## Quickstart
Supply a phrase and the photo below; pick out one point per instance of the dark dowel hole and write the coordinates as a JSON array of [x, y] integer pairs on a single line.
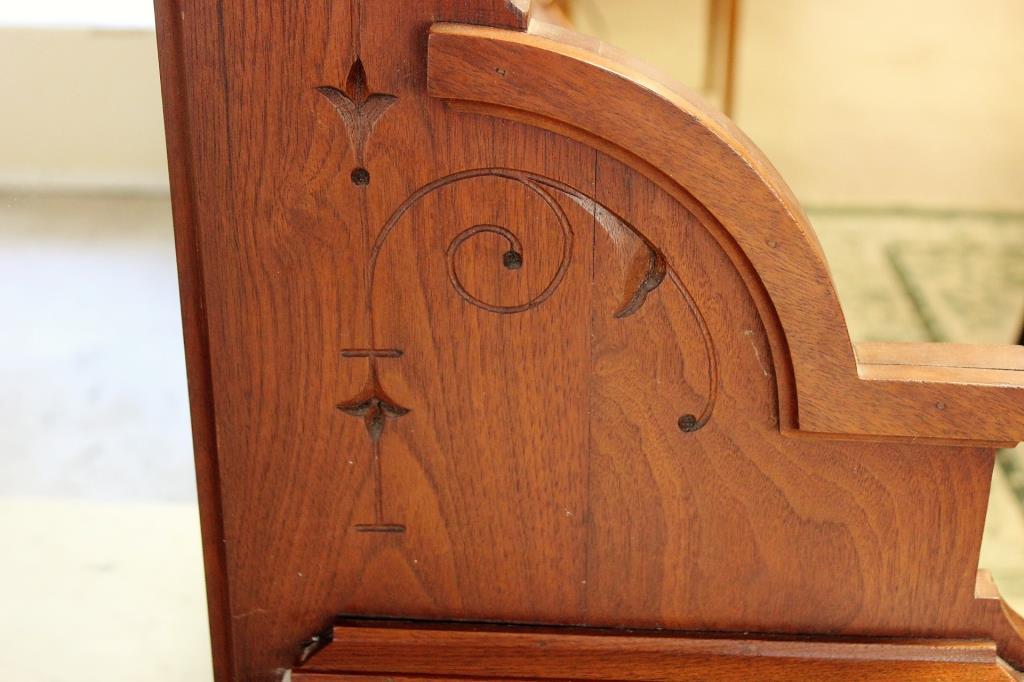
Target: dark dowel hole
[[688, 423], [361, 177], [513, 260]]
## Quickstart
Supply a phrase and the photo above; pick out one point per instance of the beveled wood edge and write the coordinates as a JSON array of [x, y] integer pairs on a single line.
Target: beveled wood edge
[[920, 373], [981, 365], [397, 648], [997, 617], [951, 355], [524, 8], [795, 672], [630, 113], [174, 89], [512, 14]]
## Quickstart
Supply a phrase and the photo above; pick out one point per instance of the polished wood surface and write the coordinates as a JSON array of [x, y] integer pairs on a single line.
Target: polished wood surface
[[394, 650], [484, 322]]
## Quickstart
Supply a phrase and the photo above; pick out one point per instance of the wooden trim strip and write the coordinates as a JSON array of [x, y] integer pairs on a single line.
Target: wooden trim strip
[[950, 355], [562, 654]]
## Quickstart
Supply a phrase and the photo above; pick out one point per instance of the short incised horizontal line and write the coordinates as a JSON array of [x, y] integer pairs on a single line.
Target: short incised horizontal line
[[371, 353], [380, 528]]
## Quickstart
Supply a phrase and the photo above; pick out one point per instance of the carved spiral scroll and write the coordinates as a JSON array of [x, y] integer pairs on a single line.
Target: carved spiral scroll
[[543, 187], [513, 257], [374, 406], [511, 260]]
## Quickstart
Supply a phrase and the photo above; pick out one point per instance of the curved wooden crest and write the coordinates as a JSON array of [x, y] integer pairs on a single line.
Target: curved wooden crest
[[917, 391], [495, 326]]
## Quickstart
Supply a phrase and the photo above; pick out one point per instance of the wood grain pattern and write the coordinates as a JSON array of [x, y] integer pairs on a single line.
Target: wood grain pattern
[[394, 650], [531, 339]]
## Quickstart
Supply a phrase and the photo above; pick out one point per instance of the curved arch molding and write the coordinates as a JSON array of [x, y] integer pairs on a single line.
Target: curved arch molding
[[826, 386]]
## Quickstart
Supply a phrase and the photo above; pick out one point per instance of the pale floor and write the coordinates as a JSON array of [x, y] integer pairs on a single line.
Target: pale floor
[[96, 488]]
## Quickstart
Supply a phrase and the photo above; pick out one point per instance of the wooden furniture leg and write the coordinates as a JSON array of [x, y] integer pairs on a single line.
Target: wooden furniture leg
[[720, 59]]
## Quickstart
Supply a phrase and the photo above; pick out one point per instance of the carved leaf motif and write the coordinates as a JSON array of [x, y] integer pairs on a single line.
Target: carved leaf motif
[[656, 270], [356, 82], [342, 102], [358, 108], [373, 405], [374, 409]]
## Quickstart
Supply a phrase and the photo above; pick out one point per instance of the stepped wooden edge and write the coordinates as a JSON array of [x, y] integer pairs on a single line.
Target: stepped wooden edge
[[404, 650], [400, 651], [920, 392]]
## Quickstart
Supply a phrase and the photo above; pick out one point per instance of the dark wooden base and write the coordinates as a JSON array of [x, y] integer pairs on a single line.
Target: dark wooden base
[[400, 650]]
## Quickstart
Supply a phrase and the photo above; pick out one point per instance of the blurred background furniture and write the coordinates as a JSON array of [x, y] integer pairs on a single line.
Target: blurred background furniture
[[720, 37]]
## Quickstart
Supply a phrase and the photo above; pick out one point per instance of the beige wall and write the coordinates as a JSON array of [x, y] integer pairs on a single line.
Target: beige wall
[[871, 103], [81, 109], [880, 102], [666, 33]]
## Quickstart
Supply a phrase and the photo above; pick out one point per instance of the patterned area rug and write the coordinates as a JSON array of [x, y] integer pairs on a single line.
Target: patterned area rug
[[966, 290], [906, 275]]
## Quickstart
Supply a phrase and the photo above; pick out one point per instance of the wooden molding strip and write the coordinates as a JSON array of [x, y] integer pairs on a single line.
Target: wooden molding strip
[[952, 355], [395, 650]]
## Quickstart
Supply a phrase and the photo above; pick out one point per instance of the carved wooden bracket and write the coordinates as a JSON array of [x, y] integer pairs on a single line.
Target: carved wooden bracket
[[486, 323], [909, 391]]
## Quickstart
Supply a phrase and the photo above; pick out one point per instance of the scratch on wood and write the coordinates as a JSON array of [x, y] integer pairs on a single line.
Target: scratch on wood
[[749, 333]]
